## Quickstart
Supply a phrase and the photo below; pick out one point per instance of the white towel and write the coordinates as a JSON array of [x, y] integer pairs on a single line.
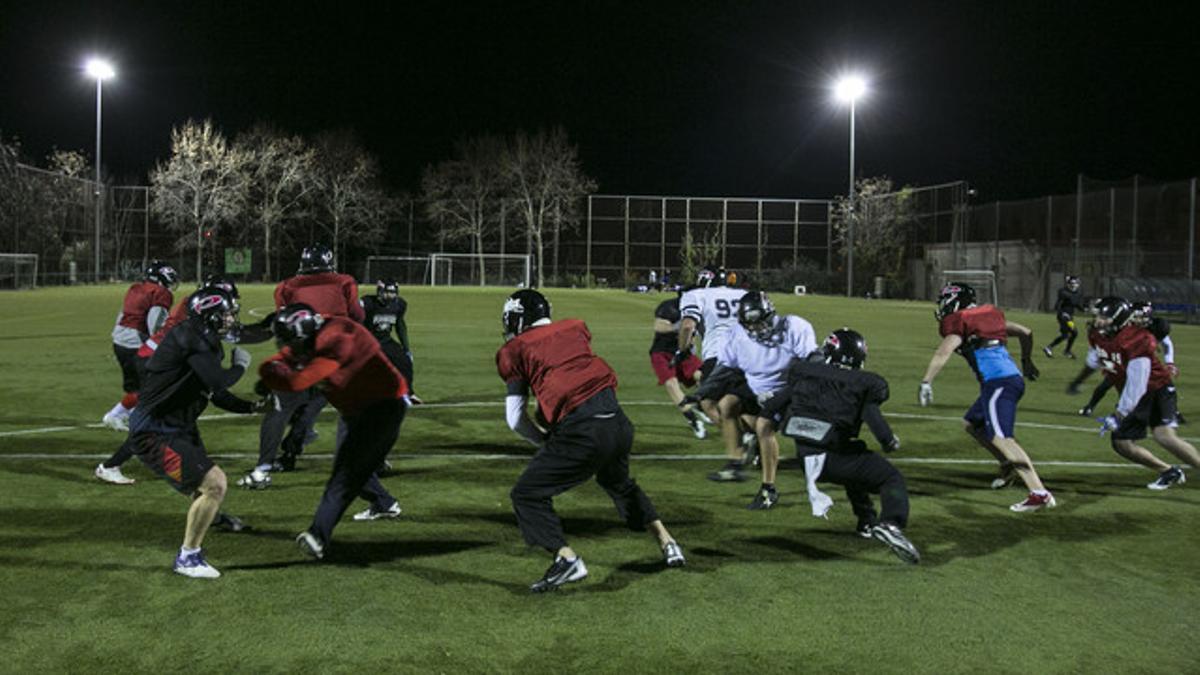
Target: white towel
[[821, 502]]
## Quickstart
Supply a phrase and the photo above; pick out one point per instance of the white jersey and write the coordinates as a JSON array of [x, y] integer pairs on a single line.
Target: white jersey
[[765, 361], [715, 309]]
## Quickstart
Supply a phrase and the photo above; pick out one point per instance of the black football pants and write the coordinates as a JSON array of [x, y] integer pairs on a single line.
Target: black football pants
[[593, 440], [863, 472], [305, 406]]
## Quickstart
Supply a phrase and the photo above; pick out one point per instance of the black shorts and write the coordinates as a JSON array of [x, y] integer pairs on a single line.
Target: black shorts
[[775, 408], [707, 367], [1157, 408], [131, 368], [178, 457], [1066, 324]]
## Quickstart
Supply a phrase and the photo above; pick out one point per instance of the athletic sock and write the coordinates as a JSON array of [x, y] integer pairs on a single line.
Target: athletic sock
[[129, 402], [689, 415], [1041, 493], [265, 468], [185, 551]]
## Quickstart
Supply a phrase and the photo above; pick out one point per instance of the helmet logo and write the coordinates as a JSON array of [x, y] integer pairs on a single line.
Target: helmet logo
[[513, 305], [207, 302]]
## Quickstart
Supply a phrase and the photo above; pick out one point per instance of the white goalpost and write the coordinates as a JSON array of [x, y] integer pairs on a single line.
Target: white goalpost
[[18, 270], [405, 269], [983, 281], [476, 269]]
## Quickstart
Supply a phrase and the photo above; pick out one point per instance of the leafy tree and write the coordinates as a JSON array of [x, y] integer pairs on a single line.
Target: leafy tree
[[350, 201], [282, 171], [460, 194], [695, 254], [882, 218]]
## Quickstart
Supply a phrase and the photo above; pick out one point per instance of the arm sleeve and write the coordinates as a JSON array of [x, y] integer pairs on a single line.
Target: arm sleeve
[[354, 308], [256, 333], [1168, 349], [518, 420], [873, 416], [155, 317], [1137, 376], [208, 368], [402, 326], [280, 375], [227, 401], [1093, 358]]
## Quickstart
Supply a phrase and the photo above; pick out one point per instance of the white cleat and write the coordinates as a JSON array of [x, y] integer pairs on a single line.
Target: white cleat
[[113, 475], [255, 480], [116, 422], [371, 514], [195, 566]]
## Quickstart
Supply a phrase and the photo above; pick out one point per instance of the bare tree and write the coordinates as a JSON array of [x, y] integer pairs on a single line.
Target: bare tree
[[282, 172], [460, 194], [204, 184], [882, 218], [547, 182], [349, 197]]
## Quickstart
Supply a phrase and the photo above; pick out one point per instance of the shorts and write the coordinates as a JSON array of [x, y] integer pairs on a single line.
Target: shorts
[[708, 366], [1156, 408], [1066, 324], [178, 457], [685, 372], [131, 368], [996, 408]]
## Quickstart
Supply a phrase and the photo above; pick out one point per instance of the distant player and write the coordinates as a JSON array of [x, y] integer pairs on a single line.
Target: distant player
[[384, 315], [588, 433], [674, 376], [1127, 353], [1070, 300], [144, 309], [823, 408], [709, 310], [342, 357], [1160, 328], [184, 374], [979, 333]]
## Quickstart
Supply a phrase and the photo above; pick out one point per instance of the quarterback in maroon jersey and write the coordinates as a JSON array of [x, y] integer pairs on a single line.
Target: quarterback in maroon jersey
[[345, 360], [587, 432], [1127, 353]]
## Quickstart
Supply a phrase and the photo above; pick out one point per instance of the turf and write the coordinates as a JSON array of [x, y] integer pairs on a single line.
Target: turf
[[1107, 582]]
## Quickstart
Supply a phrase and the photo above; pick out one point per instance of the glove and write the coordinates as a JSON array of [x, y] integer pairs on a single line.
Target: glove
[[1108, 424], [893, 445], [925, 394], [1173, 370], [680, 355], [1031, 371], [241, 357]]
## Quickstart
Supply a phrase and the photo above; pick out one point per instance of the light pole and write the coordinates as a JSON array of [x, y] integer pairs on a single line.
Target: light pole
[[101, 70], [848, 90]]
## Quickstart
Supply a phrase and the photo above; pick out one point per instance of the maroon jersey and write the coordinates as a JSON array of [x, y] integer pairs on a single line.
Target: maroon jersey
[[346, 362], [330, 293], [985, 322], [131, 327], [179, 313], [557, 362], [1131, 342]]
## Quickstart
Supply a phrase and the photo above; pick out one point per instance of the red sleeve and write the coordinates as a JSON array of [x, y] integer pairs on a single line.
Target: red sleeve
[[280, 301], [162, 298], [507, 363], [277, 373], [353, 309], [951, 325], [1139, 343]]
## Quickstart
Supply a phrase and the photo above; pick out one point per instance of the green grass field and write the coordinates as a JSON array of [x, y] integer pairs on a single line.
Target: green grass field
[[1107, 582]]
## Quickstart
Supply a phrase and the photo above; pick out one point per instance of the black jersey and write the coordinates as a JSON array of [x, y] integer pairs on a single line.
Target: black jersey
[[667, 310], [828, 404], [382, 318], [1068, 302], [184, 373]]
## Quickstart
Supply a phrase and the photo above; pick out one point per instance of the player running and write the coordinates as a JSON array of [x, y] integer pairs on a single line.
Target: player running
[[384, 314], [142, 312], [342, 357], [823, 408], [1070, 300], [587, 432], [1126, 352], [979, 333], [674, 376]]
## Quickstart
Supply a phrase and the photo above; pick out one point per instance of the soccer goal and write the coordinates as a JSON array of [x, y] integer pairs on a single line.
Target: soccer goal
[[18, 270], [486, 269], [406, 270], [983, 281]]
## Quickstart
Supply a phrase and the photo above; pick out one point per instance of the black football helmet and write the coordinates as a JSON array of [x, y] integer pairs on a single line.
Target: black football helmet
[[1112, 313], [955, 296], [297, 325], [522, 310], [215, 308], [316, 258], [845, 347], [708, 277], [224, 283], [1142, 309], [387, 289], [756, 313], [162, 274], [1072, 283]]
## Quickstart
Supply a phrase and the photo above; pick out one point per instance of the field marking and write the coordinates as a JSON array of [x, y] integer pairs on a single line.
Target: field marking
[[498, 404]]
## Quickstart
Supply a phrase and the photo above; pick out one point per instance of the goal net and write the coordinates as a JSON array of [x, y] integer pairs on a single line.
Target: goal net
[[983, 281], [487, 269], [18, 270], [406, 270]]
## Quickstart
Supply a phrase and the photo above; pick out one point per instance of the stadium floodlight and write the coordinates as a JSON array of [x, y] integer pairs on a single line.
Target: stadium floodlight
[[100, 70], [849, 89]]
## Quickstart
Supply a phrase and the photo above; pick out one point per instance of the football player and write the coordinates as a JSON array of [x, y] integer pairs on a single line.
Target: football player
[[672, 375], [1126, 351], [709, 310], [343, 358], [587, 432], [979, 334], [184, 374], [1070, 300], [142, 312], [751, 366], [822, 408], [384, 314], [1160, 328], [331, 294]]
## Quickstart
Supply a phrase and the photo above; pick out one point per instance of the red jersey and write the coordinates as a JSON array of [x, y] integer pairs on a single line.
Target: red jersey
[[179, 313], [985, 322], [346, 362], [330, 293], [1131, 342], [557, 362], [131, 327]]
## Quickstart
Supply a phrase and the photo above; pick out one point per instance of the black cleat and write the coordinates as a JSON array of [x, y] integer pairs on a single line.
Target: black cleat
[[1085, 412], [562, 571], [1172, 476], [229, 523], [895, 539], [731, 473], [767, 497], [864, 527]]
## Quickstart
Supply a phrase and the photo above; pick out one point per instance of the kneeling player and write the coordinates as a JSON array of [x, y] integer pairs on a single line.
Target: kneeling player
[[589, 435], [822, 409]]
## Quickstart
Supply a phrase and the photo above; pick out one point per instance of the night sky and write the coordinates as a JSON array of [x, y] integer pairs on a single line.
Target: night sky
[[680, 98]]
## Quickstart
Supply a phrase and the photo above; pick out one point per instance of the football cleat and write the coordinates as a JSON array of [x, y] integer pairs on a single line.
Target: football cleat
[[255, 480], [392, 511], [673, 555], [309, 543], [1048, 352], [113, 475], [229, 523], [115, 421], [1035, 502], [895, 539], [1069, 355], [698, 429], [864, 527], [750, 445], [1172, 476], [1008, 474], [1073, 389], [195, 566], [767, 497], [1085, 411], [731, 473], [562, 571]]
